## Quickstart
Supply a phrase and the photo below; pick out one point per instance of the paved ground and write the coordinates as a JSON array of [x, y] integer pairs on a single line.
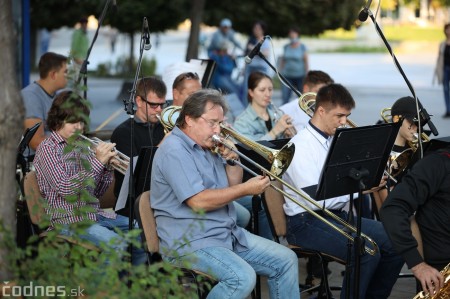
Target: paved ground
[[372, 79]]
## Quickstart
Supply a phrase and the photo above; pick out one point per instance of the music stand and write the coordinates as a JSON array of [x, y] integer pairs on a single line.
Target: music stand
[[356, 161], [26, 138]]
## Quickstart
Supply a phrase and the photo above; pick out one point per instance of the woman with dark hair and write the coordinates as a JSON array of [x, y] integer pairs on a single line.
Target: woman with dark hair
[[260, 121]]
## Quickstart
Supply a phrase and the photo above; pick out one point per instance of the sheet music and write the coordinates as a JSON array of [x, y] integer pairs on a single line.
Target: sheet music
[[172, 71], [123, 194]]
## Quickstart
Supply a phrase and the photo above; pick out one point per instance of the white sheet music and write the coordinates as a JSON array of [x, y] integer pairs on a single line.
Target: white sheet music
[[172, 71], [123, 194]]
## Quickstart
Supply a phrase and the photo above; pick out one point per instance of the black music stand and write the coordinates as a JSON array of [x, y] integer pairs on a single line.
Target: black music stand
[[356, 162]]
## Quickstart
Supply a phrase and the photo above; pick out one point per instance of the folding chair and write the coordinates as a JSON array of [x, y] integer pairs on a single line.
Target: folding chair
[[273, 203], [146, 220], [37, 213]]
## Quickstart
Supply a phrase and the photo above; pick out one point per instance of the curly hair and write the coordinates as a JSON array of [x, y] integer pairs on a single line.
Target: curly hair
[[67, 107]]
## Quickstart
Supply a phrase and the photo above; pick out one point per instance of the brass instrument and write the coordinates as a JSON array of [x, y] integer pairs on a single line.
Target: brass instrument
[[260, 149], [122, 160], [277, 114], [443, 293], [307, 102], [168, 117], [399, 161]]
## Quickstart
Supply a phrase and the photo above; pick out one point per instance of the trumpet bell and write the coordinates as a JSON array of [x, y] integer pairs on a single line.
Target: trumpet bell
[[399, 162]]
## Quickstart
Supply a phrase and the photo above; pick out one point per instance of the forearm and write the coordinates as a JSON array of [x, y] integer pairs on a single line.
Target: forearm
[[213, 199], [234, 174]]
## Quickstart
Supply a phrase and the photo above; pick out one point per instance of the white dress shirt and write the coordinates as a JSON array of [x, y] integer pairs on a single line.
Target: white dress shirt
[[299, 118], [311, 149]]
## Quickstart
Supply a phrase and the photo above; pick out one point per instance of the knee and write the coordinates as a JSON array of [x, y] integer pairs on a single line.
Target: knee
[[241, 284]]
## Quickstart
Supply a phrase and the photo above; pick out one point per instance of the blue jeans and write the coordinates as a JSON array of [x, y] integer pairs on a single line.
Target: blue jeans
[[286, 92], [236, 271], [103, 232], [242, 215], [446, 84], [378, 273], [263, 224]]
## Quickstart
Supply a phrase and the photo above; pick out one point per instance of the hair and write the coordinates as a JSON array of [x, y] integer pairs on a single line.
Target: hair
[[332, 95], [447, 25], [253, 81], [294, 28], [262, 24], [50, 62], [151, 84], [67, 107], [178, 82], [314, 78], [195, 104]]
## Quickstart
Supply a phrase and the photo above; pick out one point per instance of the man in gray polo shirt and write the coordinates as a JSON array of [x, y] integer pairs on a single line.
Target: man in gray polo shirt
[[192, 189]]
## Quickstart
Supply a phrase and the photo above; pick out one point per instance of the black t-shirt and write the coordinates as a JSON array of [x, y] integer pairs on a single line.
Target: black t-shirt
[[145, 134]]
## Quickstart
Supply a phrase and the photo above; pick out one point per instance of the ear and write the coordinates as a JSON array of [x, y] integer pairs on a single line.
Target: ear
[[395, 118], [138, 101], [189, 120]]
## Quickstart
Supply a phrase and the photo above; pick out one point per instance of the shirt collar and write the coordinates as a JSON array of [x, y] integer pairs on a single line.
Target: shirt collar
[[49, 95], [177, 132], [58, 138], [318, 130]]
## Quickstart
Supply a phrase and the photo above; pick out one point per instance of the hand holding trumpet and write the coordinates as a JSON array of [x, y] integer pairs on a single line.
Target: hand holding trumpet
[[284, 126], [104, 152]]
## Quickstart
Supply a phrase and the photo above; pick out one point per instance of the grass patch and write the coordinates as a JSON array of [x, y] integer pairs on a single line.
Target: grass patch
[[353, 49], [393, 33]]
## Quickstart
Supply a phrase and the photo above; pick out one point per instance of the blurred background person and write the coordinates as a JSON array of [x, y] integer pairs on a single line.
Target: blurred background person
[[259, 30], [224, 33], [260, 121], [183, 86], [79, 46], [225, 65], [293, 63], [442, 70]]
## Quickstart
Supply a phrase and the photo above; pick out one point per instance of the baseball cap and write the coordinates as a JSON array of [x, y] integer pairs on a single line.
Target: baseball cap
[[406, 107], [225, 23]]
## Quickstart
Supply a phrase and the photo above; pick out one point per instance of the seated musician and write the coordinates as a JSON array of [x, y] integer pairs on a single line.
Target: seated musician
[[425, 192], [150, 101], [259, 121], [379, 272], [404, 111], [192, 189], [60, 175], [183, 86], [312, 82]]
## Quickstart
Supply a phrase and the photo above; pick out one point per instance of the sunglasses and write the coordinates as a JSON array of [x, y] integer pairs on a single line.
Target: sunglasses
[[154, 105]]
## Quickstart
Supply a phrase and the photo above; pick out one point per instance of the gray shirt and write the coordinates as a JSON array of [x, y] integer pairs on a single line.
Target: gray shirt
[[37, 104], [182, 169]]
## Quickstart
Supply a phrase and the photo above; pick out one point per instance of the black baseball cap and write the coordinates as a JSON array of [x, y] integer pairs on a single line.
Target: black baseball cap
[[406, 108]]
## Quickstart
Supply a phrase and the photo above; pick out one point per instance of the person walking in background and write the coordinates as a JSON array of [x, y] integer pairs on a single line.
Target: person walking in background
[[293, 63], [223, 35], [259, 30], [79, 47], [442, 70]]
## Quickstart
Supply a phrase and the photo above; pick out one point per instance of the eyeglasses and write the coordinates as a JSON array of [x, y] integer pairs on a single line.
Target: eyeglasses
[[211, 123], [154, 105]]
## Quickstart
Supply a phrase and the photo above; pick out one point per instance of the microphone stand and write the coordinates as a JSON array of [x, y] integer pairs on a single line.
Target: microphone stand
[[423, 114], [298, 93], [83, 70], [129, 108]]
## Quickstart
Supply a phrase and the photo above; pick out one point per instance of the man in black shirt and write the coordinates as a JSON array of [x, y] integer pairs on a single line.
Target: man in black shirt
[[425, 191], [148, 131]]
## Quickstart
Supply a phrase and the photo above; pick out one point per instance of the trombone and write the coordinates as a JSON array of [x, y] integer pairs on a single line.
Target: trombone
[[122, 160], [306, 197]]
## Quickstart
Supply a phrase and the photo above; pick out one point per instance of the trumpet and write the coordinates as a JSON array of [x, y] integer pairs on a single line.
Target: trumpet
[[307, 102], [374, 247], [122, 160], [277, 114]]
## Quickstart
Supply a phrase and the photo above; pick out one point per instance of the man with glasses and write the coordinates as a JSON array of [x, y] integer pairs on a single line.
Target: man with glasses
[[183, 86], [148, 131], [193, 189]]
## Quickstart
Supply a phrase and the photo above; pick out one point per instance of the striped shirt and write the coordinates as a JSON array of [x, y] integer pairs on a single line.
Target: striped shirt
[[63, 182]]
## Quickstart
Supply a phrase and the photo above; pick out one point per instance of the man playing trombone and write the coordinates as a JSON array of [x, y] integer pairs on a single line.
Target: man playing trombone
[[192, 191], [61, 176], [378, 272]]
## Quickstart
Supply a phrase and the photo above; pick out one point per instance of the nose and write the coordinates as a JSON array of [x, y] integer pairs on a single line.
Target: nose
[[79, 125]]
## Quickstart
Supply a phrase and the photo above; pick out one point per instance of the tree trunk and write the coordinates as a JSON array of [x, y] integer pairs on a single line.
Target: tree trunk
[[11, 124], [196, 16]]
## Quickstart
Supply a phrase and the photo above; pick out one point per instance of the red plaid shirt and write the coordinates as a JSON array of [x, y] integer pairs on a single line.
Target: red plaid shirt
[[61, 175]]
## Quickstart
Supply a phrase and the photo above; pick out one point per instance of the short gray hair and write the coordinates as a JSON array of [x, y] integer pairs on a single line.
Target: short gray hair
[[195, 104]]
